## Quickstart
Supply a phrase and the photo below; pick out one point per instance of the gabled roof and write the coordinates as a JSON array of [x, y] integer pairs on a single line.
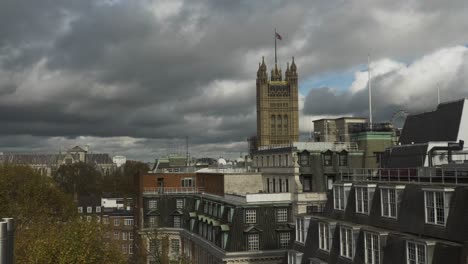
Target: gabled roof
[[252, 229], [440, 125], [77, 149]]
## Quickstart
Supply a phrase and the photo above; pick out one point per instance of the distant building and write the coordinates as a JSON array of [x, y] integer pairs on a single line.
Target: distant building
[[46, 164], [336, 130], [116, 215], [432, 138], [409, 214], [119, 160], [277, 106]]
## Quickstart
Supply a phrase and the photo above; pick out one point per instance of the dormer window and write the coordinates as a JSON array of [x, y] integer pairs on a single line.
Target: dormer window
[[327, 158], [340, 195], [304, 156], [343, 158], [364, 195], [437, 204], [390, 197]]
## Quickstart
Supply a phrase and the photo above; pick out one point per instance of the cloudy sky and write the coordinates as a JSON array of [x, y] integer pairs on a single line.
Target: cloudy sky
[[135, 77]]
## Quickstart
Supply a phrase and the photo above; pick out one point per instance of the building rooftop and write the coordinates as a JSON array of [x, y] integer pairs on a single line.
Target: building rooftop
[[443, 124]]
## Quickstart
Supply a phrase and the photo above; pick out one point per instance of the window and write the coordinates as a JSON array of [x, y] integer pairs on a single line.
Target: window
[[339, 197], [437, 206], [346, 242], [177, 221], [130, 249], [124, 248], [253, 242], [153, 221], [300, 237], [187, 182], [88, 218], [116, 235], [128, 222], [116, 222], [230, 214], [343, 159], [197, 204], [327, 159], [175, 246], [80, 210], [371, 248], [98, 209], [89, 209], [280, 164], [284, 238], [362, 200], [153, 204], [98, 219], [304, 159], [250, 216], [105, 220], [124, 235], [389, 202], [415, 253], [281, 215], [225, 237], [130, 235], [324, 236]]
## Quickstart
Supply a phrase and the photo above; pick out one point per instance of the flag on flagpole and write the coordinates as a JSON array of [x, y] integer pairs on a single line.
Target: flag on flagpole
[[278, 36]]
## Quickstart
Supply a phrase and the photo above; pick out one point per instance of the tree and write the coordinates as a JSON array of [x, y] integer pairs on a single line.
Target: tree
[[156, 248], [80, 178], [48, 229], [74, 241]]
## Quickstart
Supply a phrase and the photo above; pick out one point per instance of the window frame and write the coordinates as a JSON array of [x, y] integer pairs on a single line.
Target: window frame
[[178, 223], [284, 240], [386, 204], [250, 216], [324, 236], [152, 204], [364, 195], [253, 242], [417, 247], [346, 245], [180, 203], [282, 215], [370, 245], [446, 195]]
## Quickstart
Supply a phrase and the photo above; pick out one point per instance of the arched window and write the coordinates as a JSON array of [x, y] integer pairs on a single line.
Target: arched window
[[280, 124], [273, 125], [285, 125]]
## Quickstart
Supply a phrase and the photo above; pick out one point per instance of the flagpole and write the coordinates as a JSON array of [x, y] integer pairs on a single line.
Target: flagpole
[[275, 46]]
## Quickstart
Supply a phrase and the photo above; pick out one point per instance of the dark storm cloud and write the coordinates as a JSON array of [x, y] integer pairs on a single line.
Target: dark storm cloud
[[158, 70]]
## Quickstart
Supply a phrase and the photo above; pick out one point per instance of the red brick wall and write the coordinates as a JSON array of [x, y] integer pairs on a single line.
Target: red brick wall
[[212, 182]]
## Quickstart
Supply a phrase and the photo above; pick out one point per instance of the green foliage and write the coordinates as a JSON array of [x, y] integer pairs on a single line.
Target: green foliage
[[47, 226], [124, 181], [69, 242], [80, 177]]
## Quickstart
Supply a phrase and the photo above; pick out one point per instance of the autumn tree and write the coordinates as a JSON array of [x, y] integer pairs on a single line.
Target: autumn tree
[[80, 178], [48, 229]]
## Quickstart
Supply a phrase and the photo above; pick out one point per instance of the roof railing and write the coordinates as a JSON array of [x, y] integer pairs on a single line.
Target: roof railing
[[434, 175], [172, 190]]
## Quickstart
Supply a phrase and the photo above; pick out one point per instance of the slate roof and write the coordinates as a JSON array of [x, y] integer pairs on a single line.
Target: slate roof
[[407, 156], [49, 159], [439, 125], [77, 149]]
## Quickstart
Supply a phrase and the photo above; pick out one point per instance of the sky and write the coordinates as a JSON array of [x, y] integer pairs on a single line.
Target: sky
[[136, 77]]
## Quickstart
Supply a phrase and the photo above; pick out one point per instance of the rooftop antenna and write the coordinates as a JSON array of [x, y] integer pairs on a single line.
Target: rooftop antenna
[[370, 91], [438, 94], [187, 162]]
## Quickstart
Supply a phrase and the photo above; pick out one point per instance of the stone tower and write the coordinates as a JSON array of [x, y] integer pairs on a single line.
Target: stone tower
[[277, 106]]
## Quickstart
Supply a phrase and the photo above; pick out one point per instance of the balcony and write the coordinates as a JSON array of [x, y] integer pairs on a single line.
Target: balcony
[[172, 190], [432, 175]]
